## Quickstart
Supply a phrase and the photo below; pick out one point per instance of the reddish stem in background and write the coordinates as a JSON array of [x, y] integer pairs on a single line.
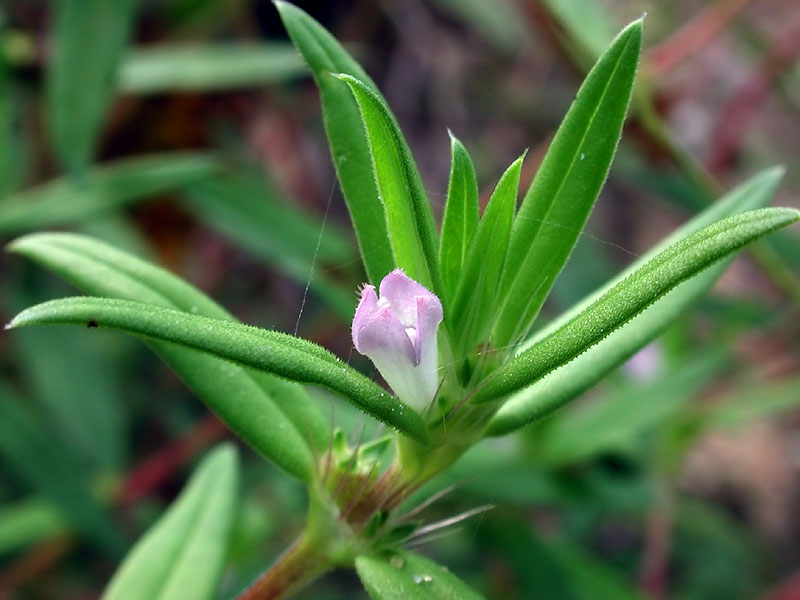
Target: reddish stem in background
[[147, 476], [154, 470], [654, 568], [33, 563], [737, 115], [788, 589], [693, 37]]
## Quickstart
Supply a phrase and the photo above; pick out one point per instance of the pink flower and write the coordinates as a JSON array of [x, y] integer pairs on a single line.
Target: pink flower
[[398, 333]]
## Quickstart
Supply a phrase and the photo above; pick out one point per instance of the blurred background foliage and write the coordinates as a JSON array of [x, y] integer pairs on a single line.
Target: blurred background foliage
[[189, 132]]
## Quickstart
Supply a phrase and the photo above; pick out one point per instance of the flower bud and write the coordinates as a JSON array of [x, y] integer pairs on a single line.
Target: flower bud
[[398, 333]]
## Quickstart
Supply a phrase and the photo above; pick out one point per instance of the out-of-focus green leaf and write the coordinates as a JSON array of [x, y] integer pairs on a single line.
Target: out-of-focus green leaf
[[207, 67], [475, 302], [29, 521], [753, 402], [64, 201], [567, 382], [274, 416], [499, 21], [248, 211], [460, 217], [408, 212], [586, 23], [294, 358], [404, 575], [79, 386], [630, 297], [182, 555], [13, 146], [30, 452], [88, 39], [619, 419], [559, 200], [349, 149], [555, 569]]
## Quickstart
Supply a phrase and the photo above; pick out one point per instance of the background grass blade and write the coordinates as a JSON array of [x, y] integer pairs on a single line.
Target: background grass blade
[[182, 555], [346, 137], [207, 67], [87, 42], [559, 200], [247, 210], [408, 212], [460, 218], [630, 297], [406, 575], [277, 353], [567, 382], [64, 201], [29, 451], [276, 417]]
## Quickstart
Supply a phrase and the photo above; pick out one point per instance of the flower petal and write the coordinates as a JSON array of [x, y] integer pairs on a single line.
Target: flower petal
[[367, 307], [429, 316], [384, 340], [400, 290]]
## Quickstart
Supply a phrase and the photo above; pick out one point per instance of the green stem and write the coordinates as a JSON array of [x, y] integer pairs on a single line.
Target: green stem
[[296, 568]]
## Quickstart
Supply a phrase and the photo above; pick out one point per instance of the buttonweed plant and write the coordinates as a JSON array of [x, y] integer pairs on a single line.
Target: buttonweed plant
[[449, 320]]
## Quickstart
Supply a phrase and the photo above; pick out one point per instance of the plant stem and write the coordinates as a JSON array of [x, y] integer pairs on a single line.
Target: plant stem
[[301, 564]]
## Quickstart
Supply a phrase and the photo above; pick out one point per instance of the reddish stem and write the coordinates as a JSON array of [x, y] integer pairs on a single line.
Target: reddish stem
[[694, 36]]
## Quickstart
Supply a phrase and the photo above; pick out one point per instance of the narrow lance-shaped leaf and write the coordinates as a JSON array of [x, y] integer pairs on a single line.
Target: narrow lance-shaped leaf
[[324, 55], [248, 211], [567, 382], [274, 416], [460, 217], [408, 212], [27, 448], [404, 575], [182, 555], [630, 297], [64, 201], [562, 194], [278, 353], [472, 311], [207, 67], [88, 39]]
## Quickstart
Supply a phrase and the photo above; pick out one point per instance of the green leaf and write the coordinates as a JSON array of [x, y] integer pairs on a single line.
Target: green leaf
[[566, 383], [617, 421], [14, 144], [207, 67], [28, 521], [248, 211], [31, 454], [500, 22], [472, 311], [274, 416], [751, 402], [460, 218], [87, 410], [88, 39], [346, 137], [587, 24], [561, 196], [182, 555], [408, 212], [406, 575], [293, 358], [630, 297], [64, 201]]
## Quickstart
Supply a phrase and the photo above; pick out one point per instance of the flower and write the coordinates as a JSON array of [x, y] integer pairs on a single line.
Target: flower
[[398, 333]]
